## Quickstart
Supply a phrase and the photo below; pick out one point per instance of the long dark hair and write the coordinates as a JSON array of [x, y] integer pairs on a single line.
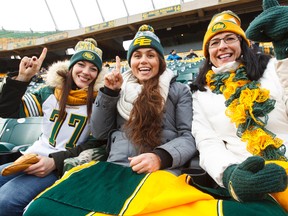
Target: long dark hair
[[144, 127], [255, 64], [67, 87]]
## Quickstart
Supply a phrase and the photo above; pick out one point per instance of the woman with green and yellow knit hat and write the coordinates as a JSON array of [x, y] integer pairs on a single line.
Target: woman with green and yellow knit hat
[[65, 104], [240, 120], [143, 97]]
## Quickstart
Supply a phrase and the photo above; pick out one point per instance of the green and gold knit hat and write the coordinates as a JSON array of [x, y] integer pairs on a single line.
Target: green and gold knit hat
[[145, 38], [87, 50]]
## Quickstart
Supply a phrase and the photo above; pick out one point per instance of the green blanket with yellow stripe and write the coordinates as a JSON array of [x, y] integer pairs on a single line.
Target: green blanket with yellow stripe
[[102, 188]]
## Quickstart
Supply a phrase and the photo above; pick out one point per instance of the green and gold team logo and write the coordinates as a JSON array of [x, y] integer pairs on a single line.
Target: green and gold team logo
[[218, 26], [142, 41], [88, 55]]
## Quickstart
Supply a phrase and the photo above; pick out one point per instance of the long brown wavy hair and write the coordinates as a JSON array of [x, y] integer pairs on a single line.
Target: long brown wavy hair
[[144, 127], [67, 86]]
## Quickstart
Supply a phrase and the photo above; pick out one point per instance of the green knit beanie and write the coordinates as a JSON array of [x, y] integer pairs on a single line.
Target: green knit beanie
[[271, 26], [87, 50], [145, 38], [253, 180]]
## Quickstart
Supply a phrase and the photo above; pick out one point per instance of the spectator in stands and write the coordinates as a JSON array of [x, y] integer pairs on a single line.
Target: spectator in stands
[[191, 54], [173, 56], [66, 106], [107, 65], [240, 120], [255, 46], [149, 94]]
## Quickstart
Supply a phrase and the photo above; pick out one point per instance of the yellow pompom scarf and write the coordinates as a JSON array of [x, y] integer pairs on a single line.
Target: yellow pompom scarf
[[248, 106], [75, 97]]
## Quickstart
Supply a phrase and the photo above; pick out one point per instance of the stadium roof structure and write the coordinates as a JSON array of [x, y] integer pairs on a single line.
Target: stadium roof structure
[[64, 22]]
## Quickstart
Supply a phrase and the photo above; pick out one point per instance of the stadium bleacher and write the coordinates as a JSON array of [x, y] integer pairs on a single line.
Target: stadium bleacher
[[186, 70], [189, 26]]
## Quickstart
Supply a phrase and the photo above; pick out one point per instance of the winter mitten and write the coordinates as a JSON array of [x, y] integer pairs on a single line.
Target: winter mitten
[[271, 26], [22, 163], [281, 197], [252, 180]]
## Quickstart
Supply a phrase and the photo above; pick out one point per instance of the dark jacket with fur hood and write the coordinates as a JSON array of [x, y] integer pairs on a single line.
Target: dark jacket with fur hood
[[11, 103], [13, 90]]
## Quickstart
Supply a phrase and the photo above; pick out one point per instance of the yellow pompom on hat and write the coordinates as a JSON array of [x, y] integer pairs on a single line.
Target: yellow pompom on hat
[[226, 21]]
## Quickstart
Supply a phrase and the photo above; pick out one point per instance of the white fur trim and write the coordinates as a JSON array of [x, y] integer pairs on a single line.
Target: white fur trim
[[54, 80]]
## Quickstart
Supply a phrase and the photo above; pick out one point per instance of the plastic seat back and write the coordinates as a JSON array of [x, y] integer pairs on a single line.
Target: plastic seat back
[[2, 123], [18, 132]]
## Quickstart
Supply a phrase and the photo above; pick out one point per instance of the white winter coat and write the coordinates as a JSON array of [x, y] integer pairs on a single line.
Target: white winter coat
[[215, 135]]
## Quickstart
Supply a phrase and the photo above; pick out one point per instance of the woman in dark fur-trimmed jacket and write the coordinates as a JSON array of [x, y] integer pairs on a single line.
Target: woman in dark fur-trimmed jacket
[[66, 106]]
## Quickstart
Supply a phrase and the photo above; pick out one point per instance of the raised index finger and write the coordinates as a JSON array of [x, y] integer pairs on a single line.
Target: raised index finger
[[118, 64], [43, 55]]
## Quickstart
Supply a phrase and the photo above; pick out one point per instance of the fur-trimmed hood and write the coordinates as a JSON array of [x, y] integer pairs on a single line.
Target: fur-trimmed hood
[[54, 80]]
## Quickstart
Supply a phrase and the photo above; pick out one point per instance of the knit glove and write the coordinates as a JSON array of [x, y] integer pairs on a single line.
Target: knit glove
[[252, 180], [271, 26], [85, 157]]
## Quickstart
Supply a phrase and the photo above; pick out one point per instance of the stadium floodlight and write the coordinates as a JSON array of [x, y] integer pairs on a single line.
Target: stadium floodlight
[[15, 57], [70, 51], [126, 44]]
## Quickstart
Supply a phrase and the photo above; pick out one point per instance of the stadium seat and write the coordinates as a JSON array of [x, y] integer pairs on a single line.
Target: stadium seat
[[184, 78], [187, 75], [175, 72], [2, 122], [193, 71], [16, 135]]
